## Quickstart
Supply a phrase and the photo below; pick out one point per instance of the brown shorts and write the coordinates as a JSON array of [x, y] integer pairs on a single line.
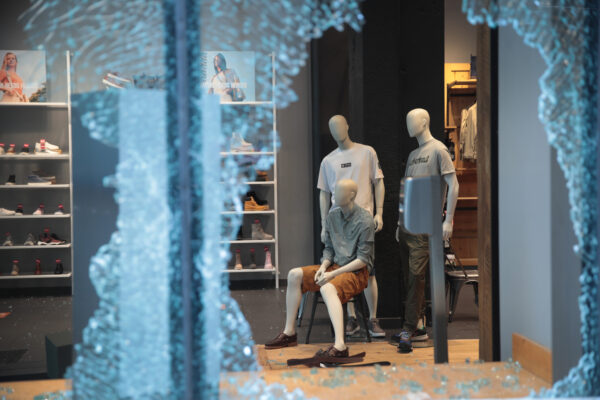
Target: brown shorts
[[348, 284]]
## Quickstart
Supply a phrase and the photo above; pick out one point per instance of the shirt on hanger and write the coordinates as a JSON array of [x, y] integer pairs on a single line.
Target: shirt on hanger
[[468, 134], [359, 163]]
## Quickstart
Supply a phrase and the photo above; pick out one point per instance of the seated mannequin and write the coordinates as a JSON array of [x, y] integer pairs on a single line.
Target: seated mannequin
[[344, 269]]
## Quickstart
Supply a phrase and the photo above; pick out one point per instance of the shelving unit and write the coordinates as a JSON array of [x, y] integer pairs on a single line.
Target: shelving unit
[[269, 188], [28, 123]]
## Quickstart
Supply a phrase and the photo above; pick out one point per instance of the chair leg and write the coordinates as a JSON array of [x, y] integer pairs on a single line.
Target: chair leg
[[301, 310], [312, 316], [364, 310], [455, 288]]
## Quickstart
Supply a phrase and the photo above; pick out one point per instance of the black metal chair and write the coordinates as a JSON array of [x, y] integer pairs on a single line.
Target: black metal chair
[[358, 300], [456, 278]]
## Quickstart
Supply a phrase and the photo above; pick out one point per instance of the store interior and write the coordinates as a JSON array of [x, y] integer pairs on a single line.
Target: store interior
[[373, 78]]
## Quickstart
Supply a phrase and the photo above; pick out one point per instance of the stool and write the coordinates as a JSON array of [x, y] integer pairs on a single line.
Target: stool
[[359, 300]]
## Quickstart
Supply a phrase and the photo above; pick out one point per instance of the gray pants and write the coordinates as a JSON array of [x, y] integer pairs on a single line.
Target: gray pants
[[418, 266]]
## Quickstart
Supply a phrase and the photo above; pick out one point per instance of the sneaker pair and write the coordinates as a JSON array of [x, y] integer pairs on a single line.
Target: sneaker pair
[[41, 210], [45, 148], [29, 241], [50, 239], [375, 330], [238, 259]]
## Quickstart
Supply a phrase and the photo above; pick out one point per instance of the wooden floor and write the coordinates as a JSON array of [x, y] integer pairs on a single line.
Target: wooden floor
[[458, 352], [412, 375]]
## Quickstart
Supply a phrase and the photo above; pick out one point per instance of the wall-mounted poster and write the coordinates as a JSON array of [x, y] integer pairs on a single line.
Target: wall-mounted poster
[[23, 76], [229, 74]]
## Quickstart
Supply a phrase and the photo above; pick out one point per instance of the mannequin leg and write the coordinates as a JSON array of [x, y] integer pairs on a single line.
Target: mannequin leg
[[334, 307], [293, 297], [371, 293]]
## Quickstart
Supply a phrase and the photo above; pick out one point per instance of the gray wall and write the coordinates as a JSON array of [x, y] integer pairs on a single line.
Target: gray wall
[[295, 179], [538, 269], [460, 37]]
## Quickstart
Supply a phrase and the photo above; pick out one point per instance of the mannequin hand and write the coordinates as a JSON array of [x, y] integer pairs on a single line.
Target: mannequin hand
[[398, 234], [447, 229], [323, 234], [378, 223], [324, 278], [320, 273]]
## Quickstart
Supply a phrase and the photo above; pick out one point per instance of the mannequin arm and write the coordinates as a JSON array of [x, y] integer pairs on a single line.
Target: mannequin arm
[[379, 197], [324, 204], [450, 204], [324, 277]]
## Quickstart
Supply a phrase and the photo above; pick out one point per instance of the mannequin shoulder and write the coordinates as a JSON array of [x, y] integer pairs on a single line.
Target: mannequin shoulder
[[330, 155]]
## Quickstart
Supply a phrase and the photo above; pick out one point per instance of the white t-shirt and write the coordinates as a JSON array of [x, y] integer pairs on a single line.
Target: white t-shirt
[[359, 163]]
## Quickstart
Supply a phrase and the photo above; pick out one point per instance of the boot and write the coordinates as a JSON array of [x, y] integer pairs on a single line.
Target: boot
[[238, 144], [59, 268], [238, 260], [268, 263], [38, 267], [262, 176], [250, 204], [258, 232], [252, 259], [15, 268]]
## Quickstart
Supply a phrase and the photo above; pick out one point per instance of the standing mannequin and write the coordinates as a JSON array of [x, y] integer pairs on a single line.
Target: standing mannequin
[[343, 273], [360, 163], [430, 158]]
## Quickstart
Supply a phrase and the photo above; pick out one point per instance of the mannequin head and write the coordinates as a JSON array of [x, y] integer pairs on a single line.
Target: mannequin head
[[417, 122], [345, 192], [339, 128]]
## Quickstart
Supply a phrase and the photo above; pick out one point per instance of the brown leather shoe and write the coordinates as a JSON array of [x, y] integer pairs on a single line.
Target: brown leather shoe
[[282, 340], [332, 352]]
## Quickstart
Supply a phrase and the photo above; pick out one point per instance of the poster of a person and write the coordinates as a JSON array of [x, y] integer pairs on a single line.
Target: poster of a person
[[230, 75], [22, 76]]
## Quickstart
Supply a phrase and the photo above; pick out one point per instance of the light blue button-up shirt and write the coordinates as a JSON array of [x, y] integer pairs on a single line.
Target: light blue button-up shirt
[[349, 237]]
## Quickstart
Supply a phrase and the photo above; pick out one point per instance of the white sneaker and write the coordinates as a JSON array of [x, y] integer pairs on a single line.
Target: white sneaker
[[9, 240], [30, 241], [2, 150], [40, 210], [238, 144], [47, 149], [60, 210], [4, 211]]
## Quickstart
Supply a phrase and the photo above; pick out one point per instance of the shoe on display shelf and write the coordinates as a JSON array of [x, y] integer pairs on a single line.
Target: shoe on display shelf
[[44, 238], [36, 180], [9, 240], [238, 260], [352, 326], [258, 200], [262, 176], [250, 204], [15, 268], [55, 240], [24, 150], [11, 150], [38, 267], [59, 267], [45, 148], [240, 234], [258, 232], [374, 328], [30, 240], [2, 150], [44, 175], [268, 263], [11, 180], [238, 144], [60, 210], [4, 211], [40, 210], [19, 209], [252, 259]]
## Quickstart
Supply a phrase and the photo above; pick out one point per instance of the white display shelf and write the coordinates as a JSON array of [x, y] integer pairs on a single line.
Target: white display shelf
[[36, 247], [249, 241], [31, 276], [257, 183], [35, 104], [247, 153], [33, 157], [29, 187], [48, 216], [247, 103], [247, 270], [247, 212]]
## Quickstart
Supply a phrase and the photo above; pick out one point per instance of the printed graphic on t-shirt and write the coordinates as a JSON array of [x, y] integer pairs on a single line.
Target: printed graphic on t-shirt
[[346, 165]]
